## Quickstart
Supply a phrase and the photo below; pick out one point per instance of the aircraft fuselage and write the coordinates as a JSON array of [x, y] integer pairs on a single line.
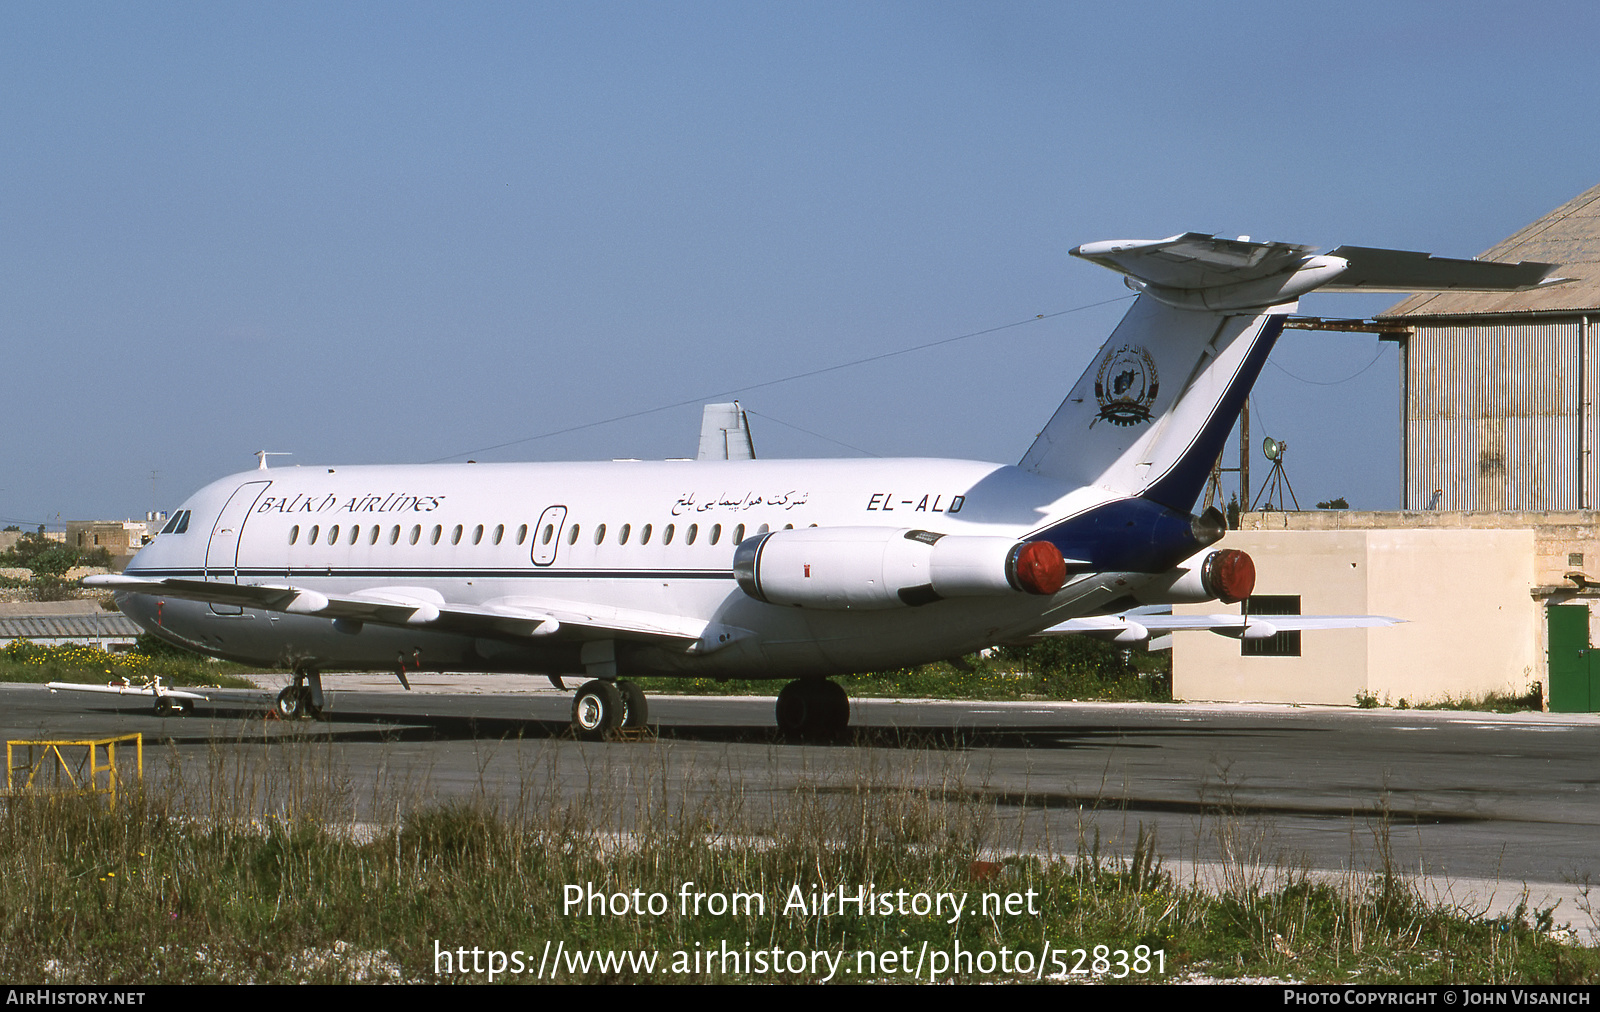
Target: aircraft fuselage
[[645, 537]]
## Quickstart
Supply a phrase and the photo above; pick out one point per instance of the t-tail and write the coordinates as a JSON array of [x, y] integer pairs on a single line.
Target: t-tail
[[1148, 419]]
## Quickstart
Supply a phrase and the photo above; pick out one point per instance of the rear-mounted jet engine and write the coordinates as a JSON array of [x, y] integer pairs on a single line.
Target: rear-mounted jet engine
[[846, 568]]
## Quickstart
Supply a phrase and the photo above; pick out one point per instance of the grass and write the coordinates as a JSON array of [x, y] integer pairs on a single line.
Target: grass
[[23, 661], [1071, 667], [249, 870], [1491, 702]]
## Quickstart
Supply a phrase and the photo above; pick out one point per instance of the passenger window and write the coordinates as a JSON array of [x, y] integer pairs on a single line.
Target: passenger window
[[788, 527], [666, 535], [522, 534], [438, 532], [294, 533], [738, 534], [716, 533], [644, 535], [355, 533], [333, 535], [549, 532], [311, 538], [572, 535], [376, 530], [499, 532], [416, 534], [394, 535], [477, 534], [455, 535], [600, 534], [691, 533], [762, 529], [622, 535]]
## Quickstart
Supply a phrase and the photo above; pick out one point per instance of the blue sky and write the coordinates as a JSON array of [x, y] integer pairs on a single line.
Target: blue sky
[[371, 233]]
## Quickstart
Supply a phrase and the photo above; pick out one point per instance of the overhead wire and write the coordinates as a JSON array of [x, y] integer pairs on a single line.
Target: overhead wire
[[808, 374], [797, 428], [1330, 383]]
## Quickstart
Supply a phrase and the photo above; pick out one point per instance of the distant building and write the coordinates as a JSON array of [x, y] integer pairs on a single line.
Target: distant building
[[9, 539], [119, 537], [58, 623], [1500, 393], [1494, 560]]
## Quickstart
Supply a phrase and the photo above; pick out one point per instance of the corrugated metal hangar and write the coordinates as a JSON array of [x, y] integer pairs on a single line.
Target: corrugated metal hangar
[[1487, 558], [1499, 391]]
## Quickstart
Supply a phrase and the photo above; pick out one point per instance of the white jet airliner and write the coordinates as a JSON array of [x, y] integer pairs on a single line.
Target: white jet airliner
[[775, 569]]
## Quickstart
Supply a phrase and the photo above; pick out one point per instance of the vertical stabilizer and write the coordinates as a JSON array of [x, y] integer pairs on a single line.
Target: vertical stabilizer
[[725, 434], [1150, 415]]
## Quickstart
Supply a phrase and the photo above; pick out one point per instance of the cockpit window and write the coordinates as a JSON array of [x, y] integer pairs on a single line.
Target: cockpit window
[[178, 524]]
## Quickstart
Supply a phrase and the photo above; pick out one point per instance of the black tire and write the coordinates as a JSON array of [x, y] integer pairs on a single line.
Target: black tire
[[635, 709], [596, 709], [833, 709], [813, 709], [185, 706], [164, 707], [289, 703], [791, 709]]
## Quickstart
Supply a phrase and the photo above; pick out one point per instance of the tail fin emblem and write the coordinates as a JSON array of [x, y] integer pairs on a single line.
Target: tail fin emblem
[[1126, 385]]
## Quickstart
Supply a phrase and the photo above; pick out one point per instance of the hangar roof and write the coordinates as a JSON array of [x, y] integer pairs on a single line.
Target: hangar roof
[[1568, 236]]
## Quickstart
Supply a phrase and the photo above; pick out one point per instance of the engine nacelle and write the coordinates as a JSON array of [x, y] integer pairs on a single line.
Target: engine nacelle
[[1224, 574], [843, 568]]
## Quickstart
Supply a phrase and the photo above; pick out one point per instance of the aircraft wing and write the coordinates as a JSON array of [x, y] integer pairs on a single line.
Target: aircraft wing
[[414, 607], [1136, 628]]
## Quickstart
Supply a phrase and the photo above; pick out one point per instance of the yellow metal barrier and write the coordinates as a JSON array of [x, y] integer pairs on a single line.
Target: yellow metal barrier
[[84, 778]]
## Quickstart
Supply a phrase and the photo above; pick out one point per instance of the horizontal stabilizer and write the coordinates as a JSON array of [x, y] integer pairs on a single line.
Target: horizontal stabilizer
[[1209, 273], [1392, 270], [1194, 259]]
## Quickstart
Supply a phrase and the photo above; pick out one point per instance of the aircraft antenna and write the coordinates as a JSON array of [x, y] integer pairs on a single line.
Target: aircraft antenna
[[262, 456]]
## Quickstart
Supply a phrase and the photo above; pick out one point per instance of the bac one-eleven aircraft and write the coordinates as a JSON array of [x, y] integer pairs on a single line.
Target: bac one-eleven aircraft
[[775, 569]]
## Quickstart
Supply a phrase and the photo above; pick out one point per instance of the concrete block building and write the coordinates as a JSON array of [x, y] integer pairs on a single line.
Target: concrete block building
[[1494, 558]]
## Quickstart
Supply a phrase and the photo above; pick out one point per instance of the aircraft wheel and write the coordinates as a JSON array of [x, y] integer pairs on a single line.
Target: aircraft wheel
[[596, 709], [635, 710], [185, 706], [813, 708], [290, 701], [165, 707], [833, 709]]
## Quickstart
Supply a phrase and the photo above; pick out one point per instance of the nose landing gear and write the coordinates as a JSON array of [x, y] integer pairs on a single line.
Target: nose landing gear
[[304, 698]]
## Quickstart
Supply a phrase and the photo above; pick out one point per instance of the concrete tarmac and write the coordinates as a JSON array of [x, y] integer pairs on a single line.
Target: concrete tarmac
[[1481, 806]]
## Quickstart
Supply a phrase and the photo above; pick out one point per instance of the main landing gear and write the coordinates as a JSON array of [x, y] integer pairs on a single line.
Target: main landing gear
[[303, 698], [813, 709], [602, 705]]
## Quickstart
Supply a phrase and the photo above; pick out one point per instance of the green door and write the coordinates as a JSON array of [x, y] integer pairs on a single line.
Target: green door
[[1574, 666]]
